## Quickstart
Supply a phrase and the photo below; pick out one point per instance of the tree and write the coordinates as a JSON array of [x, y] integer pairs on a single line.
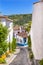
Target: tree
[[21, 19], [3, 33], [29, 41], [28, 27], [14, 44], [3, 37]]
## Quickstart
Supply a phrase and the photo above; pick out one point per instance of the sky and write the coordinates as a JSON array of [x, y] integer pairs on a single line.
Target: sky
[[10, 7]]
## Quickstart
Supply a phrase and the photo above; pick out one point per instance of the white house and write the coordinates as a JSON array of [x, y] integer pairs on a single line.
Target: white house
[[18, 29], [22, 39], [21, 36], [37, 30], [9, 23]]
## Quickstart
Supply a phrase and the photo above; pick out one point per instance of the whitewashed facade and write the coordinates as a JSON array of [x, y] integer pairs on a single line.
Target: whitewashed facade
[[9, 23], [21, 40], [18, 29], [37, 30], [21, 36]]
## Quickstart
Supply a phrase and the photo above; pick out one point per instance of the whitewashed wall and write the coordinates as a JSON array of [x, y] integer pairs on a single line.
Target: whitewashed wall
[[15, 33], [9, 24], [3, 21], [37, 30], [18, 38], [10, 35]]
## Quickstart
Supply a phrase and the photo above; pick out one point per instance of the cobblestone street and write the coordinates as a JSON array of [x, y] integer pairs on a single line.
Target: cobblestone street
[[22, 58]]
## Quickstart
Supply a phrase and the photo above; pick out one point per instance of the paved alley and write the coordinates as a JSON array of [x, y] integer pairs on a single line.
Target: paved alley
[[22, 58]]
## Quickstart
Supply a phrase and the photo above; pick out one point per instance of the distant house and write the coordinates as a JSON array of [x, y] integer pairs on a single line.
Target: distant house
[[22, 39], [9, 23], [21, 36], [18, 29]]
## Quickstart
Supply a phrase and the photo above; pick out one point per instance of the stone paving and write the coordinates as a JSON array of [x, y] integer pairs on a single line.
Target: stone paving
[[22, 58]]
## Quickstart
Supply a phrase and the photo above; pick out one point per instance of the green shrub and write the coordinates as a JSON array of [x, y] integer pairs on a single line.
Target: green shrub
[[3, 37], [4, 46], [7, 55], [3, 33], [41, 62], [28, 27], [10, 46], [29, 41], [1, 51], [31, 55], [13, 44], [2, 60]]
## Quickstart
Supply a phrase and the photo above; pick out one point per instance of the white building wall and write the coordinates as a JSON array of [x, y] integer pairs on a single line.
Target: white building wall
[[37, 31], [15, 33], [11, 31], [3, 21], [9, 24], [18, 38], [10, 35]]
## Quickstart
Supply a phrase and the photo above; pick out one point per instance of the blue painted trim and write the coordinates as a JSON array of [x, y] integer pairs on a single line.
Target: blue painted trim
[[21, 44]]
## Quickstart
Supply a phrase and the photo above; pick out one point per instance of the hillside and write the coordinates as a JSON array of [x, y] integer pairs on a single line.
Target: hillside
[[21, 19]]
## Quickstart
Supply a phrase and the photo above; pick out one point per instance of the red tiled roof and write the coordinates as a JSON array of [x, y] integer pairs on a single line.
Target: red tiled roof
[[6, 17], [23, 34], [3, 17], [16, 27]]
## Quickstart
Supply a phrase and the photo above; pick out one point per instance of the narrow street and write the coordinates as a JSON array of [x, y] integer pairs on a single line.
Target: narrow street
[[22, 58]]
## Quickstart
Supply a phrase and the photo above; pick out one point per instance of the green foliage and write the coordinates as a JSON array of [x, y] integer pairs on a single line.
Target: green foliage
[[31, 55], [2, 60], [13, 44], [1, 51], [21, 19], [7, 55], [3, 33], [3, 37], [29, 41], [4, 46], [10, 46], [28, 27], [41, 62]]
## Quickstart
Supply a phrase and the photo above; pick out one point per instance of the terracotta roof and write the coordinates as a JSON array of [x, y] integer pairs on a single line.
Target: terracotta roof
[[23, 34], [16, 27], [6, 17], [3, 16]]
